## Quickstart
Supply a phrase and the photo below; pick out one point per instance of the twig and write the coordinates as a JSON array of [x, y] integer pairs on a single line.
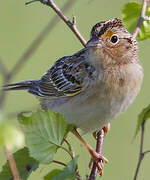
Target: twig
[[141, 154], [12, 164], [69, 145], [146, 152], [69, 152], [65, 140], [71, 25], [60, 163], [99, 147], [142, 18]]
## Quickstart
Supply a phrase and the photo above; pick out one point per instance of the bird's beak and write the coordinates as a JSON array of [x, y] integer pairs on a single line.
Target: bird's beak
[[94, 42]]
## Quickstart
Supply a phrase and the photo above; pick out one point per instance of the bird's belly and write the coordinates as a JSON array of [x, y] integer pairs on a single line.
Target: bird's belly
[[90, 116], [93, 117]]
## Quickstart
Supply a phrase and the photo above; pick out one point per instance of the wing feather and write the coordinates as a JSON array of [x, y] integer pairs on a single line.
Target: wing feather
[[66, 77]]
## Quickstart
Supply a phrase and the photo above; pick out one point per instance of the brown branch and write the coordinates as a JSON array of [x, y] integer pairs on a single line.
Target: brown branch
[[99, 147], [142, 18], [12, 164], [71, 25], [141, 154]]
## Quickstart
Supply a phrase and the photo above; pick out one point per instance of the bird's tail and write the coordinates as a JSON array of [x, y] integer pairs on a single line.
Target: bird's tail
[[30, 86], [23, 85]]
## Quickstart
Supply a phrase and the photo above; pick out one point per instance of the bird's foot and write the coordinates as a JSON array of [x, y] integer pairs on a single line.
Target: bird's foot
[[99, 160], [96, 156], [99, 164]]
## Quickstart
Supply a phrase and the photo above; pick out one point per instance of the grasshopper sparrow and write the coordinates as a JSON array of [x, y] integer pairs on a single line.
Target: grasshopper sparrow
[[94, 85]]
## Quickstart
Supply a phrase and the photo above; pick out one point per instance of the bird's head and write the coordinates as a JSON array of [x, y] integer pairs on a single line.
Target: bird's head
[[111, 38]]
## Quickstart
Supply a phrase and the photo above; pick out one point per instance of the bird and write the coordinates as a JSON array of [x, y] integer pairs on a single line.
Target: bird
[[95, 85]]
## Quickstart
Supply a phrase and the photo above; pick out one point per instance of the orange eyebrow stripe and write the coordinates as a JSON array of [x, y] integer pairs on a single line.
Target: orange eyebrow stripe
[[107, 34]]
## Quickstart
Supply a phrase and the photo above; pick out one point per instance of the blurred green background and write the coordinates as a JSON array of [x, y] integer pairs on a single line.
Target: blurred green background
[[20, 25]]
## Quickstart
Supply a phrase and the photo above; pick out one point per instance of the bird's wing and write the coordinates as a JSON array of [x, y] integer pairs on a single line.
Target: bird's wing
[[66, 77]]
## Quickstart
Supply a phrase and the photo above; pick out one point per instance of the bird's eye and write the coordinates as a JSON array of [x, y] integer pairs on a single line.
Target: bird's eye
[[114, 39]]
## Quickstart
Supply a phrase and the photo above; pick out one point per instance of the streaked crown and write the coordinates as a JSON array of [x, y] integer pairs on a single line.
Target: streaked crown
[[100, 28]]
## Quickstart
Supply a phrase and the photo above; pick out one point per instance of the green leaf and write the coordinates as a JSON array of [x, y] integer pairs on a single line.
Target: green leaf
[[68, 173], [44, 133], [130, 15], [52, 174], [10, 136], [143, 116], [25, 165]]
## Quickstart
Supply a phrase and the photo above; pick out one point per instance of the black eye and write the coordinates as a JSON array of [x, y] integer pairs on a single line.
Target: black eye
[[114, 39]]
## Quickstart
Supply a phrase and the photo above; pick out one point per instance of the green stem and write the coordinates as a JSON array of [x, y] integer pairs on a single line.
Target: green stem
[[69, 152]]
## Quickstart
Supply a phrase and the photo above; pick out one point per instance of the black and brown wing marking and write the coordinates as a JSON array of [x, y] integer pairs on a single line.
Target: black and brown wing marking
[[66, 77]]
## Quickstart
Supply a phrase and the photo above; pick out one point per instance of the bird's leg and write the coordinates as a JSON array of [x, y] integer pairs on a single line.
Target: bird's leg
[[96, 156], [106, 128]]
